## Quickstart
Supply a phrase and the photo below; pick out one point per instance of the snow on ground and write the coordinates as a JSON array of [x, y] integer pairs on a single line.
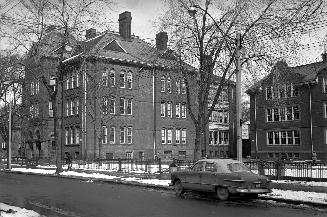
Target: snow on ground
[[12, 211], [277, 193], [299, 196], [322, 184]]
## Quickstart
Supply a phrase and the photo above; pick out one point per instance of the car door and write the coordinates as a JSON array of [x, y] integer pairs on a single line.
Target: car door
[[193, 177], [208, 177]]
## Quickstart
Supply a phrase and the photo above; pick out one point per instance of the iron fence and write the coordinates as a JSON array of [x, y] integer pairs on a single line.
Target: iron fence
[[291, 170]]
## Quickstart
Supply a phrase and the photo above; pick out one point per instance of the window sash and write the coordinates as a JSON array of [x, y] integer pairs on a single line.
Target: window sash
[[77, 132], [163, 135], [183, 110], [129, 80], [178, 136], [163, 109], [178, 110], [168, 85], [104, 134], [112, 135], [169, 111], [122, 80], [122, 106], [169, 136], [129, 106], [162, 84], [184, 136], [122, 135], [112, 78], [112, 105], [129, 135]]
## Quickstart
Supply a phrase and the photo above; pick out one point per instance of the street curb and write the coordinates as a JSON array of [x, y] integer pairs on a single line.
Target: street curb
[[167, 188], [299, 187]]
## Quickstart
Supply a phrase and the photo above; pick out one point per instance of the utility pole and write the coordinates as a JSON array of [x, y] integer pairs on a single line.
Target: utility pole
[[238, 98], [9, 142]]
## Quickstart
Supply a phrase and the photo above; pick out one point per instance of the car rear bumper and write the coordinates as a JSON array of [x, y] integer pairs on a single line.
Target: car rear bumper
[[252, 191]]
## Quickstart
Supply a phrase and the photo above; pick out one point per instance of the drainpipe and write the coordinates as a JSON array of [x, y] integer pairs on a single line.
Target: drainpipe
[[310, 110], [255, 126], [154, 97]]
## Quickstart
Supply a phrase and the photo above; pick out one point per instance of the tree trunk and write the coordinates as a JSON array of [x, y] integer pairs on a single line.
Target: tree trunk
[[57, 145]]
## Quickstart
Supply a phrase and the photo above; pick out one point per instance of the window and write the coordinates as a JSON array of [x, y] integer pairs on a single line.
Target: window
[[32, 88], [37, 86], [289, 115], [141, 155], [129, 106], [77, 79], [162, 84], [67, 82], [72, 135], [296, 113], [129, 155], [182, 154], [129, 80], [178, 110], [169, 136], [112, 78], [178, 136], [282, 91], [122, 79], [77, 106], [77, 135], [226, 135], [184, 110], [169, 109], [32, 111], [72, 79], [122, 105], [178, 86], [269, 115], [66, 136], [72, 107], [283, 114], [50, 110], [104, 105], [284, 137], [67, 108], [168, 85], [105, 78], [112, 105], [276, 114], [163, 109], [295, 90], [53, 81], [168, 154], [163, 135], [269, 93], [36, 110], [324, 85], [104, 134], [122, 135], [183, 87], [129, 135], [184, 136], [112, 135]]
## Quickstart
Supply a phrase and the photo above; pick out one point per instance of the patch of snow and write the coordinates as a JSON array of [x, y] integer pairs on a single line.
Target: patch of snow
[[322, 184], [12, 211], [88, 175], [298, 196], [29, 170]]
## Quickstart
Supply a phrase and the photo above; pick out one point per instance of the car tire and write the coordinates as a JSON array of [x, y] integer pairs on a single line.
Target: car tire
[[222, 193], [178, 187]]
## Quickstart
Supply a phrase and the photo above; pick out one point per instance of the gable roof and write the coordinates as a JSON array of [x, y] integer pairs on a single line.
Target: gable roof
[[308, 73], [110, 45]]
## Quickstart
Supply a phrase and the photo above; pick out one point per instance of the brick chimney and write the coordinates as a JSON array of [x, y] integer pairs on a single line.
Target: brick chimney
[[161, 40], [324, 57], [125, 20], [90, 33]]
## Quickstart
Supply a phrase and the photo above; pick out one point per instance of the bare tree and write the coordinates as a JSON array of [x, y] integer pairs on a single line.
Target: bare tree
[[204, 34], [50, 29]]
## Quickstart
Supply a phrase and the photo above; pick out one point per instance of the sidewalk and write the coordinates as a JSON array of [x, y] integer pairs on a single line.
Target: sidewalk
[[307, 193]]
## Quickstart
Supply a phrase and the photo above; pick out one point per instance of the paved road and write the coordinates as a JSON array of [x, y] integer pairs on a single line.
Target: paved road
[[53, 196]]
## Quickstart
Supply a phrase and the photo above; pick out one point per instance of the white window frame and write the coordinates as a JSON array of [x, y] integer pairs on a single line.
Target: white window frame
[[122, 101], [163, 84], [163, 136], [183, 110], [112, 132], [163, 109], [77, 132], [112, 105], [129, 80], [77, 106], [129, 109], [178, 86], [112, 78], [169, 109], [67, 136], [184, 134], [32, 88], [105, 81], [178, 136], [178, 110], [122, 135], [104, 134], [122, 79], [168, 85], [129, 135], [169, 136], [183, 88], [104, 105]]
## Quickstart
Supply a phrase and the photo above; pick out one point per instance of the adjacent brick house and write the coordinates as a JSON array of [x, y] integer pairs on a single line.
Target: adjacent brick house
[[288, 112]]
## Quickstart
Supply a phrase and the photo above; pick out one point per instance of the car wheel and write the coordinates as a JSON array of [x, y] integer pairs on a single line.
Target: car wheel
[[178, 187], [222, 193]]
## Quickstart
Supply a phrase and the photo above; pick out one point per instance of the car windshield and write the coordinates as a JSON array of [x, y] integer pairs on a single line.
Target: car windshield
[[237, 167]]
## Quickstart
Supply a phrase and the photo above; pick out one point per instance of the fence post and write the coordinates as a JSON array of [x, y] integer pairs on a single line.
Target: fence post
[[159, 160], [261, 168], [119, 165]]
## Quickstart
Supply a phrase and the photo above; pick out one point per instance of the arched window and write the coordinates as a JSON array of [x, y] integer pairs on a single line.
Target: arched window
[[129, 80], [168, 85], [112, 77], [122, 79]]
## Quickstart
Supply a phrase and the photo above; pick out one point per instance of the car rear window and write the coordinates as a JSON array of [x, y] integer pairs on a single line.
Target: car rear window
[[237, 167], [210, 167]]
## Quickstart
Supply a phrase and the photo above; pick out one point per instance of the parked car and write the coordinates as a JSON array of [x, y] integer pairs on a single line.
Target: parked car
[[224, 177]]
